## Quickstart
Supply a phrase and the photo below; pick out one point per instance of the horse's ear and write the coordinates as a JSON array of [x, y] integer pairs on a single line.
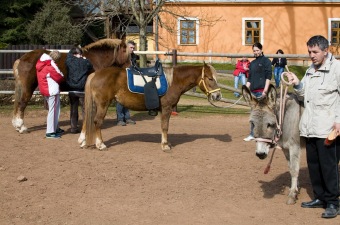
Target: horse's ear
[[271, 96], [248, 96]]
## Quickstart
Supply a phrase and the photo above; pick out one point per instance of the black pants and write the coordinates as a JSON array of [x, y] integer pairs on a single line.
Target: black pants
[[323, 169], [75, 99]]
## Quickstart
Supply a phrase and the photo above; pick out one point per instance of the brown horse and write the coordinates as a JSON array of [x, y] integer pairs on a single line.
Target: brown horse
[[102, 54], [106, 85]]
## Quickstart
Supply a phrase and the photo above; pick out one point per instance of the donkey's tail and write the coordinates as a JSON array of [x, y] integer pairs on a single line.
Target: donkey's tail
[[90, 112]]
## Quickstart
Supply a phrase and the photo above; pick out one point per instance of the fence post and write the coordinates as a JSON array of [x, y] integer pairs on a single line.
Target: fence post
[[174, 57]]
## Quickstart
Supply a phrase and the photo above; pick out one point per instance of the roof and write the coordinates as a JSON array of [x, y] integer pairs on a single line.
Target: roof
[[256, 1]]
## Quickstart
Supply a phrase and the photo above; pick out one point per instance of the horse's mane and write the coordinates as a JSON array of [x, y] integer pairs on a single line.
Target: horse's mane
[[110, 43]]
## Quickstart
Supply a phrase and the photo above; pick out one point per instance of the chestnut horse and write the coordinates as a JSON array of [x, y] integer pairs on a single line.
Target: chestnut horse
[[106, 85], [101, 54]]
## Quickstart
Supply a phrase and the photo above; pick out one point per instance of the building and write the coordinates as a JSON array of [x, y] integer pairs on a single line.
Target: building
[[232, 26]]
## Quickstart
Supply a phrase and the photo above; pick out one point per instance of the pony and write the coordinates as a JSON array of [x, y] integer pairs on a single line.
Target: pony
[[108, 84], [268, 132], [102, 54]]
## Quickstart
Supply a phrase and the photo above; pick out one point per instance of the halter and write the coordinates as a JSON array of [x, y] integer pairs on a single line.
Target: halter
[[206, 91]]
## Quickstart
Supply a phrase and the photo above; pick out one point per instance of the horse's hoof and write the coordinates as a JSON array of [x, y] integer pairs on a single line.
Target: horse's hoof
[[291, 201], [23, 130], [166, 148], [102, 147], [83, 145]]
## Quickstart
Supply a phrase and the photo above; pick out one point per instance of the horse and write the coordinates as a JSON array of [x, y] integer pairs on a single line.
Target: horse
[[108, 84], [102, 54], [264, 116]]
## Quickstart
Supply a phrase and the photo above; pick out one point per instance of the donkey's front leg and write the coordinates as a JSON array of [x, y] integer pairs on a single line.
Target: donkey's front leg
[[294, 167]]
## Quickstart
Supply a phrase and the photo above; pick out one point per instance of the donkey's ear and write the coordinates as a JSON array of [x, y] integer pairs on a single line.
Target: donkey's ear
[[271, 97], [248, 96]]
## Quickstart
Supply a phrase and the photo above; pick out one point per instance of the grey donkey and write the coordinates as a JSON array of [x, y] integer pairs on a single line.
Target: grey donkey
[[269, 133]]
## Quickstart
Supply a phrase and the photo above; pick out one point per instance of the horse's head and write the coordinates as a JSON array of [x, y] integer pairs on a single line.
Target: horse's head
[[107, 52], [122, 58], [263, 119], [208, 83]]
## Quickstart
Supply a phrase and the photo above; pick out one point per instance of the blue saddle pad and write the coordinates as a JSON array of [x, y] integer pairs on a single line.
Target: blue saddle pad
[[136, 83]]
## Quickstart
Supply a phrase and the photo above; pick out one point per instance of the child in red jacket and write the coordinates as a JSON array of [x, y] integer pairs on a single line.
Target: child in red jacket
[[241, 73], [49, 77]]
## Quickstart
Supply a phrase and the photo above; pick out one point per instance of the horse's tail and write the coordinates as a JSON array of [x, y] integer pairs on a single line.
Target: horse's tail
[[90, 111], [18, 87]]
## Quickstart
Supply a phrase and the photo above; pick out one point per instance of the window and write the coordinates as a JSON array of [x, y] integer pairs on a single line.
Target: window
[[252, 31], [334, 32], [188, 31]]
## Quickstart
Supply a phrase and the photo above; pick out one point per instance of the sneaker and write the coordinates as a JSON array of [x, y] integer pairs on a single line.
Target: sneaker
[[60, 131], [249, 138], [174, 113], [121, 123], [130, 121], [52, 135]]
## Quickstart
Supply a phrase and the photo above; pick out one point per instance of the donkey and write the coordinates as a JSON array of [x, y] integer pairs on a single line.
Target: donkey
[[268, 133]]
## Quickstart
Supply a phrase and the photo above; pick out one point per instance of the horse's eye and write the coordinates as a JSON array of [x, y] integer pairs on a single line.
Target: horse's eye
[[211, 79], [269, 125]]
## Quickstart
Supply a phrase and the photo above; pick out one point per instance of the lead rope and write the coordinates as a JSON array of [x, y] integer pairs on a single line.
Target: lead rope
[[281, 116]]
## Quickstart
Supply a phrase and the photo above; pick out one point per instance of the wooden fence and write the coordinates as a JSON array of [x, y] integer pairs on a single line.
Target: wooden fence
[[14, 52]]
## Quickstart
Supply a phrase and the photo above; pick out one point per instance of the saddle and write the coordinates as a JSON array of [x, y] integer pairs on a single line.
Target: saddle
[[150, 90], [156, 70]]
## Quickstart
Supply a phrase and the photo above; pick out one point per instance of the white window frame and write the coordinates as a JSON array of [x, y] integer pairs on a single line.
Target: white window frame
[[330, 20], [244, 29], [179, 29]]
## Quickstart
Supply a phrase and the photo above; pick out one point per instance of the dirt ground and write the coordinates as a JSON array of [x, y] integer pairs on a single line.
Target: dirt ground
[[211, 177]]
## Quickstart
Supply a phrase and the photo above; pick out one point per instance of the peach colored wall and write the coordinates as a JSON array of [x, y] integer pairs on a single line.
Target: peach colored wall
[[286, 26]]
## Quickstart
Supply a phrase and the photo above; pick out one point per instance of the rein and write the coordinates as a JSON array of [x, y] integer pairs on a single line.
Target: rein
[[278, 131], [206, 91]]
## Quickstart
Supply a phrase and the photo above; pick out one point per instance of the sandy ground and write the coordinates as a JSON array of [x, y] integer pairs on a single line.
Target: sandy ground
[[211, 177]]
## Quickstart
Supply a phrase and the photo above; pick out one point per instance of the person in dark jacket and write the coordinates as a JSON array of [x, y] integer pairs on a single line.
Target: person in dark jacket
[[279, 66], [78, 68], [123, 113], [260, 74]]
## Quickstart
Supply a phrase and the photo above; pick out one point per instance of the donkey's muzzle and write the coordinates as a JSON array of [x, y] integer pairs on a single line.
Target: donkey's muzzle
[[261, 155]]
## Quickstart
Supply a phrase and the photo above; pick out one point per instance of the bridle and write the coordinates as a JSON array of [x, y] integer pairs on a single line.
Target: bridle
[[279, 119], [206, 91]]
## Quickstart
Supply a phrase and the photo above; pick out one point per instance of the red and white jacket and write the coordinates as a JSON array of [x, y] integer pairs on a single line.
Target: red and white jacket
[[49, 76]]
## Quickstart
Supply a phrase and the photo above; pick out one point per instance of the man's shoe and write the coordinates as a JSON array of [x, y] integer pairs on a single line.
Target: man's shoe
[[75, 131], [59, 131], [121, 123], [52, 135], [249, 138], [130, 121], [153, 112], [316, 203], [330, 212]]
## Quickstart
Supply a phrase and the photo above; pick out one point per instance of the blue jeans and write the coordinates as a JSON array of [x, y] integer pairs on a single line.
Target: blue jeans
[[241, 77], [123, 113], [277, 75], [257, 95]]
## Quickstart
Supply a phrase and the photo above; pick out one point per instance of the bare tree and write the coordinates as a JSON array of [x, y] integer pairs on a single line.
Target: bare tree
[[119, 15]]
